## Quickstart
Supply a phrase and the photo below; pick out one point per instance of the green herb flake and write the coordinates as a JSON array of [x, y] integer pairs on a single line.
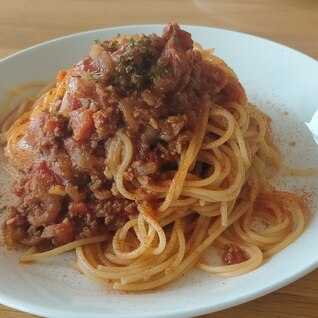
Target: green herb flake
[[122, 59], [98, 42], [96, 77], [132, 41], [3, 209], [113, 45]]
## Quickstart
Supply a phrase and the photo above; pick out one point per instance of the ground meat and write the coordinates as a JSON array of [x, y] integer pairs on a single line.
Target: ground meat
[[113, 212], [181, 142], [148, 87], [106, 122], [171, 127]]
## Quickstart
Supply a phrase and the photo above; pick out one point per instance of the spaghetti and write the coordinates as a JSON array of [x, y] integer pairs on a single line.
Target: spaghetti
[[143, 156]]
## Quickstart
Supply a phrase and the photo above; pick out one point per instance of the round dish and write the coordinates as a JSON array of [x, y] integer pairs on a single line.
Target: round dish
[[282, 83]]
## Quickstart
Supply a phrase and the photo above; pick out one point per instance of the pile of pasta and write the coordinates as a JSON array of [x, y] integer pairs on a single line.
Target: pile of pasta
[[219, 198]]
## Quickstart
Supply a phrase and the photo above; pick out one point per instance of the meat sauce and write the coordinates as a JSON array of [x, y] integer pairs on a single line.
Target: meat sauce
[[232, 254], [150, 87]]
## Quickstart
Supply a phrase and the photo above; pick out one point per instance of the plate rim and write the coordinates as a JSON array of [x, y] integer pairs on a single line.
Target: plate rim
[[161, 25]]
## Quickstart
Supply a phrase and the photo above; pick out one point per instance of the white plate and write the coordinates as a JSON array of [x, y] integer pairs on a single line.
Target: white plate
[[275, 77]]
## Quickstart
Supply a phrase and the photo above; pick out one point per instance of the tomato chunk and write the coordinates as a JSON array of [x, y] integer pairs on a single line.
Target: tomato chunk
[[233, 254], [78, 208], [82, 123], [64, 233]]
